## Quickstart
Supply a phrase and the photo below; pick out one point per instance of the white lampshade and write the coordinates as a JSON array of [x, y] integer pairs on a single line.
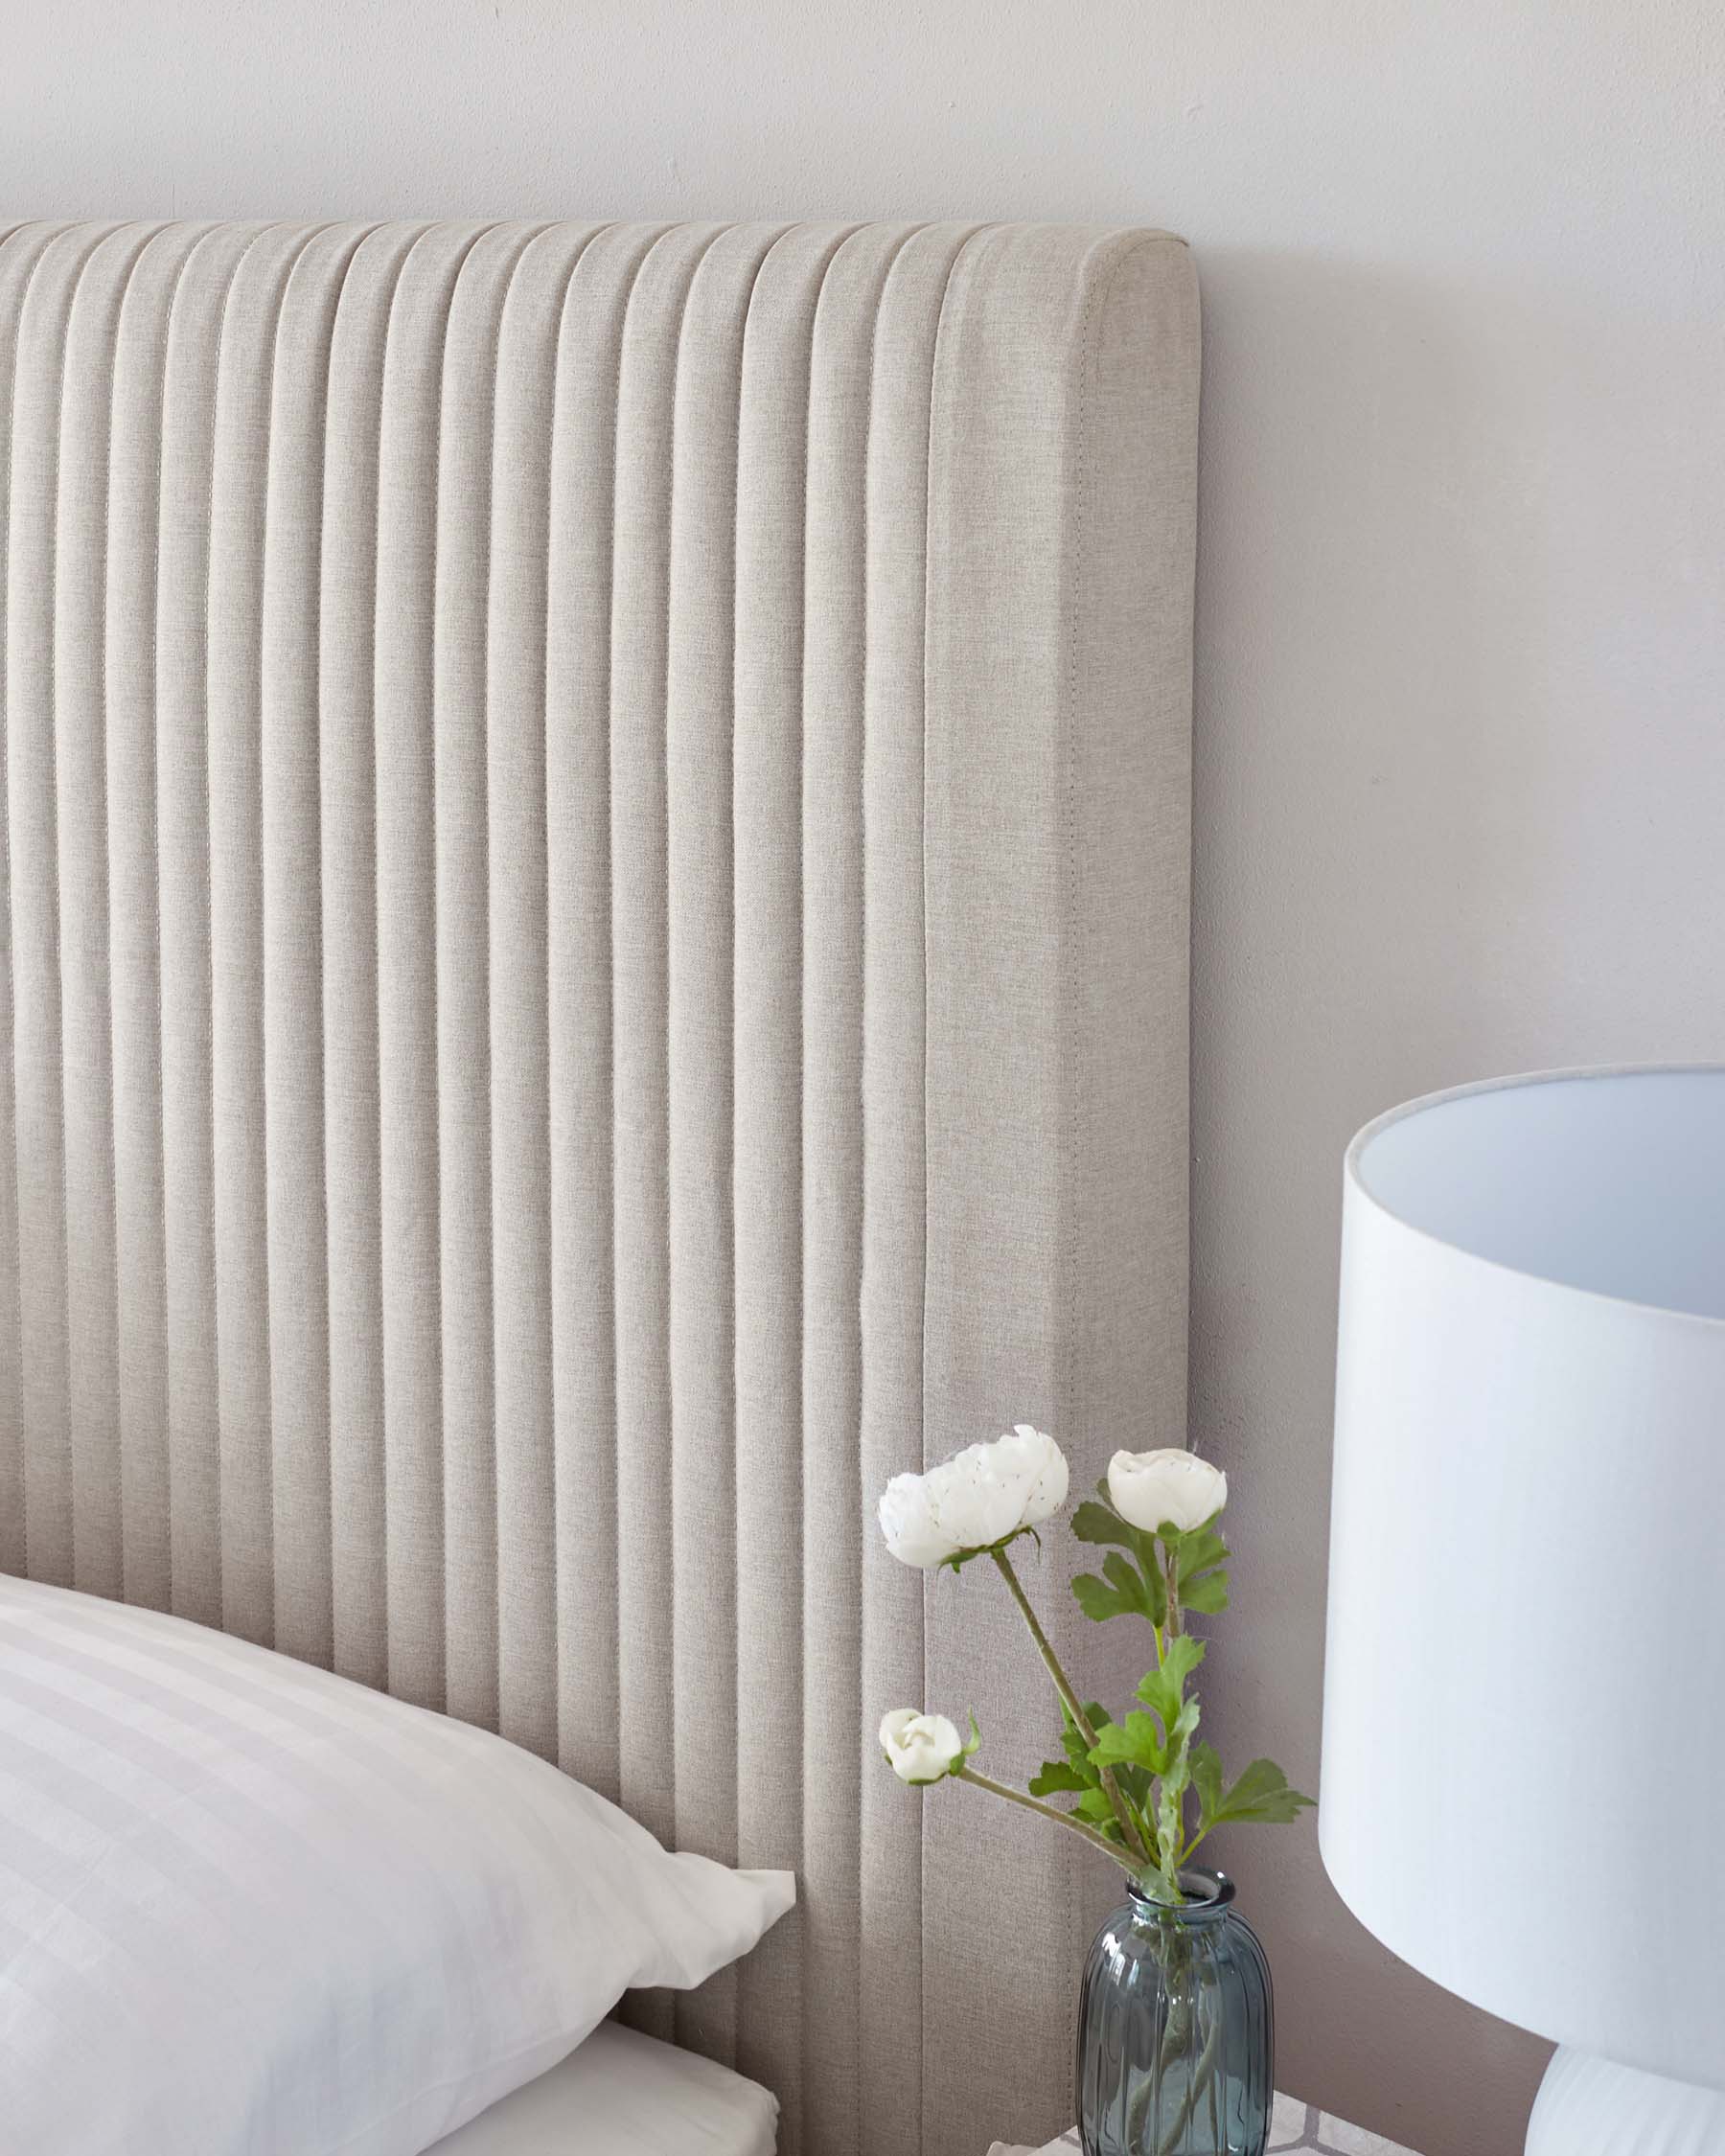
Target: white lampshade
[[1523, 1787]]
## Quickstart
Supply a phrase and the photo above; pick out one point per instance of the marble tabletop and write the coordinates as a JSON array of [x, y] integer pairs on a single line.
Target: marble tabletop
[[1296, 2130]]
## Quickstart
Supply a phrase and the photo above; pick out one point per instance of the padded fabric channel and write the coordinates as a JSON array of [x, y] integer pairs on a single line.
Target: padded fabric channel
[[595, 930]]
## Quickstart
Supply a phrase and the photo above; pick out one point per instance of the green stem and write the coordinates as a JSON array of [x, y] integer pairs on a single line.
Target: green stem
[[1044, 1647], [1169, 1857], [1123, 1812], [1172, 1956], [1202, 2075], [1060, 1818]]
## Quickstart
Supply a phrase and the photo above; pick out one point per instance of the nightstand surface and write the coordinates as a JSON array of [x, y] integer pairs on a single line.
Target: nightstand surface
[[1296, 2130]]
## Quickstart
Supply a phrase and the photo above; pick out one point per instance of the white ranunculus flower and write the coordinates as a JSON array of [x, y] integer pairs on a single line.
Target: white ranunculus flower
[[1171, 1487], [919, 1748], [979, 1496], [908, 1521]]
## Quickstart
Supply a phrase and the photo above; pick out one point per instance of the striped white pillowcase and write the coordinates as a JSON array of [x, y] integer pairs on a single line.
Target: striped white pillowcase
[[248, 1908]]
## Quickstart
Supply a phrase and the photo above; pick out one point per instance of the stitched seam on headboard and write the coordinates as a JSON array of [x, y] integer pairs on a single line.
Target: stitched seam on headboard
[[730, 791], [6, 512], [803, 1074], [960, 251], [377, 865], [488, 640], [485, 885], [1072, 987], [557, 355], [676, 348], [435, 1066], [12, 432], [865, 1497], [609, 617], [210, 844], [102, 676], [53, 658], [317, 635], [155, 862]]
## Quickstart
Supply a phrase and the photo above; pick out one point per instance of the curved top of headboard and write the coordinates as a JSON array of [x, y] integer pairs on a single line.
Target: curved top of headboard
[[595, 907]]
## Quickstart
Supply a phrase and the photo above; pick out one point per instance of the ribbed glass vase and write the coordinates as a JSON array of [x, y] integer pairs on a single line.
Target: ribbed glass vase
[[1176, 2036]]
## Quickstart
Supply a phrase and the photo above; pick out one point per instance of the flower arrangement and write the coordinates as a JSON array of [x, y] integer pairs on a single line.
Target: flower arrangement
[[1146, 1790]]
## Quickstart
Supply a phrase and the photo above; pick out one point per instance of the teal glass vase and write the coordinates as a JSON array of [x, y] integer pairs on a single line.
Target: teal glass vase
[[1176, 2033]]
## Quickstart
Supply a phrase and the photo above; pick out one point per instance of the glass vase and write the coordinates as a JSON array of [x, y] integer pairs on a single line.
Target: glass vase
[[1176, 2036]]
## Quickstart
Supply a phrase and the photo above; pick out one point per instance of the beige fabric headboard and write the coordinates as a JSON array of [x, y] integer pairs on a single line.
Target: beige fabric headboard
[[595, 908]]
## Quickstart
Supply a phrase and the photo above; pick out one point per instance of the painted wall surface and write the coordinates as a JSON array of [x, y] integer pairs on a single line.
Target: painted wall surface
[[1461, 758]]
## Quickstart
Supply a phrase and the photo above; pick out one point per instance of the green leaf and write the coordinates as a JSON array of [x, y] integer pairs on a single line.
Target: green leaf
[[1122, 1592], [1097, 1599], [1207, 1594], [1198, 1551], [1207, 1780], [1077, 1750], [1136, 1783], [1137, 1741], [1133, 1780], [1201, 1561], [1074, 1743], [1128, 1581], [1055, 1777], [1181, 1731], [1163, 1689], [1101, 1523], [1260, 1796]]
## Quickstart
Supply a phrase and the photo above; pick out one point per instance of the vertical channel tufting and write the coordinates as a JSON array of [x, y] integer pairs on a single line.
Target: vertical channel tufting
[[404, 598], [835, 694], [256, 540], [520, 1046], [894, 1108], [580, 566], [354, 331], [20, 256], [464, 565], [767, 798], [289, 317], [184, 665], [642, 515], [700, 723], [135, 515], [81, 820], [32, 707], [550, 1039]]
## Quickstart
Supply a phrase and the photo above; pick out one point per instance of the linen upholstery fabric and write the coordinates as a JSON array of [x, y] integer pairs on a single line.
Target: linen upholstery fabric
[[251, 1908], [596, 901]]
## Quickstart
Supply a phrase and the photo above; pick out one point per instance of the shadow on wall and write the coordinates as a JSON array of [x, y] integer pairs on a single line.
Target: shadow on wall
[[1430, 845]]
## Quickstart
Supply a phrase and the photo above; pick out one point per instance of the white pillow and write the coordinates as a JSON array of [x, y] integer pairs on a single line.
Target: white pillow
[[250, 1908]]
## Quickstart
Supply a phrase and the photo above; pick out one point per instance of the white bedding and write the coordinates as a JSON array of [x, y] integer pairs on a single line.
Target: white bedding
[[249, 1908], [623, 2095]]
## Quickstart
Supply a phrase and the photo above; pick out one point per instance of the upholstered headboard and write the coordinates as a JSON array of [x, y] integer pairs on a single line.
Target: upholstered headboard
[[595, 906]]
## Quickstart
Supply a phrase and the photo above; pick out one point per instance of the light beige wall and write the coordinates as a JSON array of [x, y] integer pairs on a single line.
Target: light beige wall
[[1460, 763]]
